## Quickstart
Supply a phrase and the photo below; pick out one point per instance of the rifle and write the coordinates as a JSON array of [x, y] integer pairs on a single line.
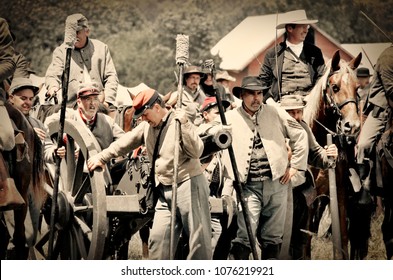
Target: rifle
[[69, 39], [374, 24], [336, 233], [237, 184], [181, 60]]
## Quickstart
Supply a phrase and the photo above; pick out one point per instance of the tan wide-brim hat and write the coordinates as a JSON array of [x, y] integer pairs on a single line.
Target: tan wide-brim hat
[[292, 102], [19, 83], [294, 17], [224, 75]]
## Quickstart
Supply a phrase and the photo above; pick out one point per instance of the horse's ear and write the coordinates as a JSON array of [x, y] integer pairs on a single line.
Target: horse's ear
[[354, 63], [166, 97], [131, 94], [336, 61]]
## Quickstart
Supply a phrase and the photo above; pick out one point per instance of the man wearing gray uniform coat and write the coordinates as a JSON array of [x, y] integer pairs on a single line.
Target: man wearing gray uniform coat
[[91, 61], [259, 145]]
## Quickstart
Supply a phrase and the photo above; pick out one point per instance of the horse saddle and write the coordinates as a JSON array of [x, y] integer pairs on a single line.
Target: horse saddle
[[21, 146], [10, 197], [45, 110], [384, 147], [121, 110]]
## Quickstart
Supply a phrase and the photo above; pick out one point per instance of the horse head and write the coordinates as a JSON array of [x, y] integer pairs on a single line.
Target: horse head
[[341, 93]]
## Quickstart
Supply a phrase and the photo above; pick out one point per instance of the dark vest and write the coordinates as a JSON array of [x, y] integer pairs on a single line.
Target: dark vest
[[295, 75]]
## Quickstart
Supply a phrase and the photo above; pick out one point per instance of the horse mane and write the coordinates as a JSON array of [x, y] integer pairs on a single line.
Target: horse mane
[[38, 172], [314, 97]]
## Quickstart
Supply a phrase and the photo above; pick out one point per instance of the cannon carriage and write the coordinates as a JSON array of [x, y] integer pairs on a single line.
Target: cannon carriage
[[95, 216]]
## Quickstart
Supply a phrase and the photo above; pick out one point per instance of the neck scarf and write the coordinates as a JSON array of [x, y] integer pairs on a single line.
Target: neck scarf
[[88, 122]]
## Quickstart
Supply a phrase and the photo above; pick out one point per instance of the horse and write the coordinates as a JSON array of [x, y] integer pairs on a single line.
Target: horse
[[332, 108], [385, 163], [24, 164]]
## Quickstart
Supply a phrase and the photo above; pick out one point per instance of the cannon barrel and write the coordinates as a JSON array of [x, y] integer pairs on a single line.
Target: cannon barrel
[[215, 142]]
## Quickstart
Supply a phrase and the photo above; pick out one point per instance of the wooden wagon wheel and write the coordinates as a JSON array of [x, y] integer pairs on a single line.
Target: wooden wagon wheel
[[81, 215]]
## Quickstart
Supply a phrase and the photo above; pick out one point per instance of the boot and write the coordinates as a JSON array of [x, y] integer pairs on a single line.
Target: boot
[[364, 173], [271, 252], [239, 252]]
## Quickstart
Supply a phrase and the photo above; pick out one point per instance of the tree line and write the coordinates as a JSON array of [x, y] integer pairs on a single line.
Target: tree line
[[141, 34]]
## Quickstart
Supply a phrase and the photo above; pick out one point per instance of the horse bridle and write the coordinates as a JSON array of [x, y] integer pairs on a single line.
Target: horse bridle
[[328, 97], [330, 100]]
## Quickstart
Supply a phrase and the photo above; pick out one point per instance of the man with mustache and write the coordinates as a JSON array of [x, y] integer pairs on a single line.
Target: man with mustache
[[103, 127], [193, 96], [294, 65], [91, 61], [259, 143]]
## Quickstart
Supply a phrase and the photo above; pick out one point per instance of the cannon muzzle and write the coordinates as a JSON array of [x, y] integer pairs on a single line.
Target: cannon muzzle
[[215, 142]]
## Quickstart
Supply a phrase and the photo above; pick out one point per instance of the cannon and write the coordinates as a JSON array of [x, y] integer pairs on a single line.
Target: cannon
[[95, 217], [213, 143]]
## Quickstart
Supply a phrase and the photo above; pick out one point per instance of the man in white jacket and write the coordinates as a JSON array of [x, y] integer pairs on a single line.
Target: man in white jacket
[[259, 134]]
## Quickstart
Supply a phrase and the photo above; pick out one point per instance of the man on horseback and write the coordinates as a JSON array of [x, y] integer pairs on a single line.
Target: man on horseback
[[293, 66], [7, 68], [21, 95], [91, 61], [377, 111]]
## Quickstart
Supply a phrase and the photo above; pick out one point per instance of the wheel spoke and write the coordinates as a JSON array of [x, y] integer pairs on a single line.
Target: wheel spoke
[[70, 159], [86, 230], [58, 244], [78, 179], [41, 243], [85, 187], [80, 242], [63, 177], [81, 220]]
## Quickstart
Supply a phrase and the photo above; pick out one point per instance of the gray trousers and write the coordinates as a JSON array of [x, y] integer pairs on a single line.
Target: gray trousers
[[373, 127], [192, 217]]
